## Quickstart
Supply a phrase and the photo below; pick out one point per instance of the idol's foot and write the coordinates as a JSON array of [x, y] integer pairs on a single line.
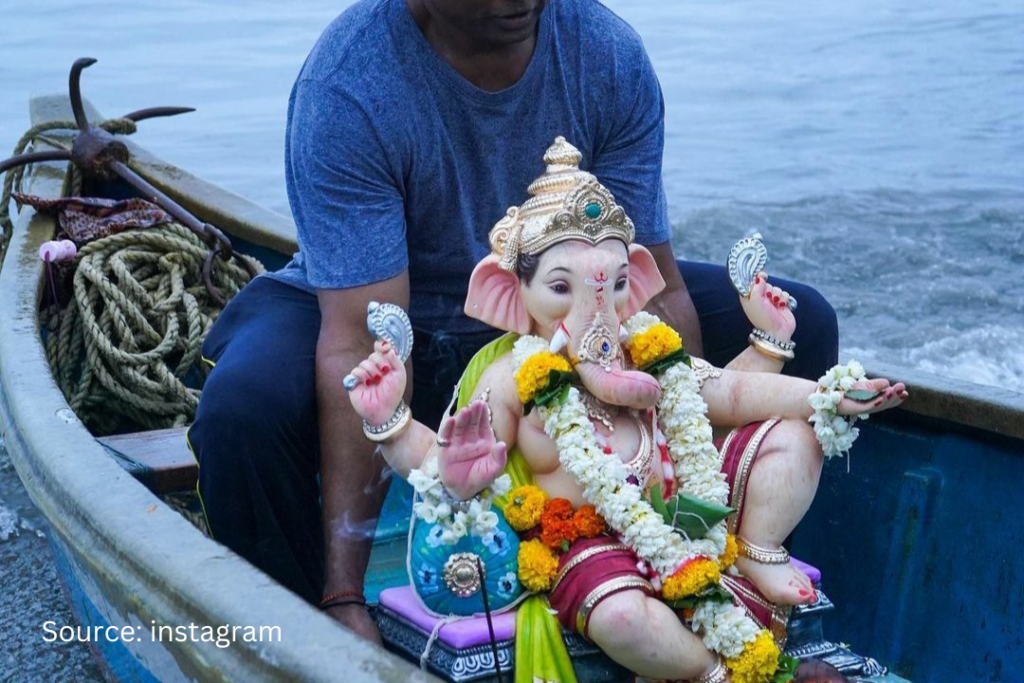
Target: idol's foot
[[774, 575]]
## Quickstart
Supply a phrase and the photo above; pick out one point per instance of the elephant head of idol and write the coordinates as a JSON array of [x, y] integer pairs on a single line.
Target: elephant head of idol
[[563, 266]]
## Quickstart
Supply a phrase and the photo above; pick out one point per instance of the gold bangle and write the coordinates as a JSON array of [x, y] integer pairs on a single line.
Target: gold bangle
[[770, 350], [395, 425]]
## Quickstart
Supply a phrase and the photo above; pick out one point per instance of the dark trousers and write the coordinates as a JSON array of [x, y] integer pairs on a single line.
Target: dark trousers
[[256, 434]]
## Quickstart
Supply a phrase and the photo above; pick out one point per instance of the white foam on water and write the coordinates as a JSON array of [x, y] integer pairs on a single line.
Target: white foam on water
[[8, 524], [990, 354]]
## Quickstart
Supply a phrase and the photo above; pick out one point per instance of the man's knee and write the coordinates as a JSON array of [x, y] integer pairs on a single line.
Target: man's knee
[[817, 333]]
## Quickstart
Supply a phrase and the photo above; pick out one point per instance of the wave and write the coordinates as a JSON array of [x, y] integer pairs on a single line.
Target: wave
[[991, 355]]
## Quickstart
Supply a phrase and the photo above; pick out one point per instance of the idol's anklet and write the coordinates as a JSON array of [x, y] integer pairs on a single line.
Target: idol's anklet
[[835, 432], [718, 674], [756, 553], [395, 425]]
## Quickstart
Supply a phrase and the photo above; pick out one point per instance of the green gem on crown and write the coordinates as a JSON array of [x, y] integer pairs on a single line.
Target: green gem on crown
[[593, 210]]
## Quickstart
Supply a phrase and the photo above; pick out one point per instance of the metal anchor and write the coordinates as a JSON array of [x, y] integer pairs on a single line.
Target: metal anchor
[[100, 154]]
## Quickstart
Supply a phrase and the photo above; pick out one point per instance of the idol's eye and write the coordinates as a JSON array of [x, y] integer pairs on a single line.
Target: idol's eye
[[559, 287], [621, 283]]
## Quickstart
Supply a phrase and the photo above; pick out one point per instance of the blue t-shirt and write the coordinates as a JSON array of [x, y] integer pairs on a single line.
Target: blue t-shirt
[[395, 161]]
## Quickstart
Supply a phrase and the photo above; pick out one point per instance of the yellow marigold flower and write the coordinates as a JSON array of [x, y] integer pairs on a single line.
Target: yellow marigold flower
[[690, 579], [525, 506], [538, 566], [654, 344], [732, 551], [757, 663], [532, 376]]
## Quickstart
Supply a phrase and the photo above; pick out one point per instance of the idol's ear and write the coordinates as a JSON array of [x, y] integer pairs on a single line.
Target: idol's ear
[[494, 297], [644, 279]]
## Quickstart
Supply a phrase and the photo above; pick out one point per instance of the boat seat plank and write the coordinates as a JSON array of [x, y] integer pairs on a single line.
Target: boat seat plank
[[158, 458]]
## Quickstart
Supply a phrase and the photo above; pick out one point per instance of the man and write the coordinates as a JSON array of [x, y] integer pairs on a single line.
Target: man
[[413, 125]]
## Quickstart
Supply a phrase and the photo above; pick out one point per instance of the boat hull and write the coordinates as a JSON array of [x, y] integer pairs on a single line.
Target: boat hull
[[135, 558]]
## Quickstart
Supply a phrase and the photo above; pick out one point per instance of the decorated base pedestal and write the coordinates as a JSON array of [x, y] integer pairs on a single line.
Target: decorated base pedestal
[[462, 650]]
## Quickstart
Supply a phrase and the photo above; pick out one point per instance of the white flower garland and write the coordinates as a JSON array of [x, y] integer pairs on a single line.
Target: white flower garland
[[435, 505], [835, 433], [682, 417]]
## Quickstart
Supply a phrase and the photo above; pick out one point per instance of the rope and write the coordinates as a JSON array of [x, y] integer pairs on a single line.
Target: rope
[[14, 176], [126, 349]]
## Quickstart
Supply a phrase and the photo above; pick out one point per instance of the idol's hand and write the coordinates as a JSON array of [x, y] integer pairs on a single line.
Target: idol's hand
[[376, 386], [470, 456], [767, 308], [886, 396]]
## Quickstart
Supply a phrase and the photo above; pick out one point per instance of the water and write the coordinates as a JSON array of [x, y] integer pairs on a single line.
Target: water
[[878, 146]]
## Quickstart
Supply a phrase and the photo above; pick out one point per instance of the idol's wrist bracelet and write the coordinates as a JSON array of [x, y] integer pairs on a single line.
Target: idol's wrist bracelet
[[774, 349], [784, 345], [394, 426]]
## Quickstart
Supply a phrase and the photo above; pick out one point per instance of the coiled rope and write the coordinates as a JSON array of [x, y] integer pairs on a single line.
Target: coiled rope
[[126, 349]]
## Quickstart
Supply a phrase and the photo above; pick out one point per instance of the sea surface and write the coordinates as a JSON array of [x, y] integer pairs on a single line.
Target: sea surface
[[878, 146]]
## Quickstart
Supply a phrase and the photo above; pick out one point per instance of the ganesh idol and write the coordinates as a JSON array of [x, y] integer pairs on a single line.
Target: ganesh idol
[[594, 473]]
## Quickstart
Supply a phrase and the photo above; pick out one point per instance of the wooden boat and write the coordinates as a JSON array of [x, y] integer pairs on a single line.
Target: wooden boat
[[918, 542]]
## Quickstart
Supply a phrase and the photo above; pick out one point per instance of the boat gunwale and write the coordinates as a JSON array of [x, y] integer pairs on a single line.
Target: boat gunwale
[[122, 534]]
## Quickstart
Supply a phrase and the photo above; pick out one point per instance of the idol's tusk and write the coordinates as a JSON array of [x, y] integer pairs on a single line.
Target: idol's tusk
[[559, 340], [623, 334], [350, 382]]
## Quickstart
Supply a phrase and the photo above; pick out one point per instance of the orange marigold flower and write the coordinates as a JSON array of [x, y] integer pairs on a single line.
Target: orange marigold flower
[[533, 375], [757, 663], [732, 551], [654, 344], [558, 534], [525, 506], [557, 510], [588, 523], [538, 566], [693, 577]]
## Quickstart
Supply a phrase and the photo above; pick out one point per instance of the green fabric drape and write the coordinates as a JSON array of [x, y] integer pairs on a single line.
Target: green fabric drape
[[541, 655]]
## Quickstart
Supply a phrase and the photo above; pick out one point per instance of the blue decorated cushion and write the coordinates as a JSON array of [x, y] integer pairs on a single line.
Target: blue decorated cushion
[[445, 577]]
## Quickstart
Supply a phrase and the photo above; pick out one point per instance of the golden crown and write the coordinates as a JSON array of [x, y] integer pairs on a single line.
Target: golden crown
[[565, 204]]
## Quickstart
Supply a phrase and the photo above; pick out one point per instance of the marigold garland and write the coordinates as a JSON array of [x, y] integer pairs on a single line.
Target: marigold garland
[[533, 376], [538, 566], [690, 564], [758, 662], [655, 343], [732, 551], [525, 506], [690, 579]]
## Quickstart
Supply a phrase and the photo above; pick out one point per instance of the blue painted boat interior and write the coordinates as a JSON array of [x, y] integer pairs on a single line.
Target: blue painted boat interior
[[919, 546]]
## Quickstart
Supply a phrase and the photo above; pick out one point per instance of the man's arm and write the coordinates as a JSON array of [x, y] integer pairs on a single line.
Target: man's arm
[[673, 305], [352, 490]]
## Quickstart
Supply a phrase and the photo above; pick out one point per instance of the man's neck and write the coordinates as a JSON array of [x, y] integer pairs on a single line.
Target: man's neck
[[488, 67]]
